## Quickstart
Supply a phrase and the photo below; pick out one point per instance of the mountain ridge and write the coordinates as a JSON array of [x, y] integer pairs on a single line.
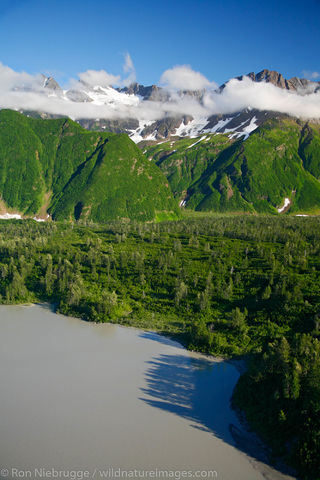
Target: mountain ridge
[[126, 107], [302, 85], [275, 170], [57, 167]]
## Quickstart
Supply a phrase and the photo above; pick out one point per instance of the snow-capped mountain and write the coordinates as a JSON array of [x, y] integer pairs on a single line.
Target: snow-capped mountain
[[294, 84], [154, 113]]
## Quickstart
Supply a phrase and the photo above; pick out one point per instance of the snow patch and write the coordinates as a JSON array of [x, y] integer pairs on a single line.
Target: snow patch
[[245, 131], [202, 138], [235, 129], [218, 126], [285, 205], [136, 136], [9, 216], [16, 216], [111, 97], [152, 136], [192, 128], [250, 128]]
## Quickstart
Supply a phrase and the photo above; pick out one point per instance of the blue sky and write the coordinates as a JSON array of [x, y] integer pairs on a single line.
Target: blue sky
[[221, 39]]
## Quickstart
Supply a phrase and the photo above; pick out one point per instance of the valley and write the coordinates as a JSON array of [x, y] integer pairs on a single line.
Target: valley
[[201, 227], [233, 286], [159, 240]]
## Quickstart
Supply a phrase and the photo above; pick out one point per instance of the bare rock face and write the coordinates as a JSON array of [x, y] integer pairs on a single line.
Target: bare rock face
[[151, 92], [49, 82], [270, 77], [239, 120], [300, 85], [294, 84], [303, 85], [165, 127]]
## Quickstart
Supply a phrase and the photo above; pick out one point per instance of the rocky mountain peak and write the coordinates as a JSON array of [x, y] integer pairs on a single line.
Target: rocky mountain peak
[[50, 82], [269, 76], [151, 92], [294, 84]]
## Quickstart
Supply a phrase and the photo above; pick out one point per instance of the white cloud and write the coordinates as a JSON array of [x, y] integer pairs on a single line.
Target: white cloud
[[182, 77], [9, 79], [265, 96], [26, 92], [99, 77], [128, 68], [310, 75]]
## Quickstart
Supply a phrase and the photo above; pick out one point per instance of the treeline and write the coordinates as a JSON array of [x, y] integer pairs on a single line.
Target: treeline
[[281, 397], [223, 285]]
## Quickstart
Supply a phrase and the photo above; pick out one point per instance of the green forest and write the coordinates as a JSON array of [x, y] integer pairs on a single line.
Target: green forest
[[56, 167], [221, 173], [240, 286]]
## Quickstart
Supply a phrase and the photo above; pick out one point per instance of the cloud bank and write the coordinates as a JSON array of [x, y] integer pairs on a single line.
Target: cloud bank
[[99, 77], [182, 77], [310, 75], [22, 91], [11, 80], [129, 69], [265, 96]]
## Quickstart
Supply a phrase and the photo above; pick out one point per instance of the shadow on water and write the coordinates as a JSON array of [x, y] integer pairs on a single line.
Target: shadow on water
[[52, 307], [200, 390], [191, 387], [160, 339]]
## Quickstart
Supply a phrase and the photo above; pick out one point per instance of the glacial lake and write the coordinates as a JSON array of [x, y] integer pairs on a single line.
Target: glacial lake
[[78, 397]]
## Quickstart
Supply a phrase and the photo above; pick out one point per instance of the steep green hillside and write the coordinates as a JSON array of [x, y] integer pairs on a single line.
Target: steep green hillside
[[280, 160], [183, 161], [57, 166]]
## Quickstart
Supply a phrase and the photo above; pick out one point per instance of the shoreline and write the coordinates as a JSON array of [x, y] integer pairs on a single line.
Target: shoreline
[[245, 440]]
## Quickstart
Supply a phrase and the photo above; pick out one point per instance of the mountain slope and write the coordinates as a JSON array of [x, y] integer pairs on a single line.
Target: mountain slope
[[157, 113], [56, 165], [276, 169], [184, 160], [239, 123], [295, 84]]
